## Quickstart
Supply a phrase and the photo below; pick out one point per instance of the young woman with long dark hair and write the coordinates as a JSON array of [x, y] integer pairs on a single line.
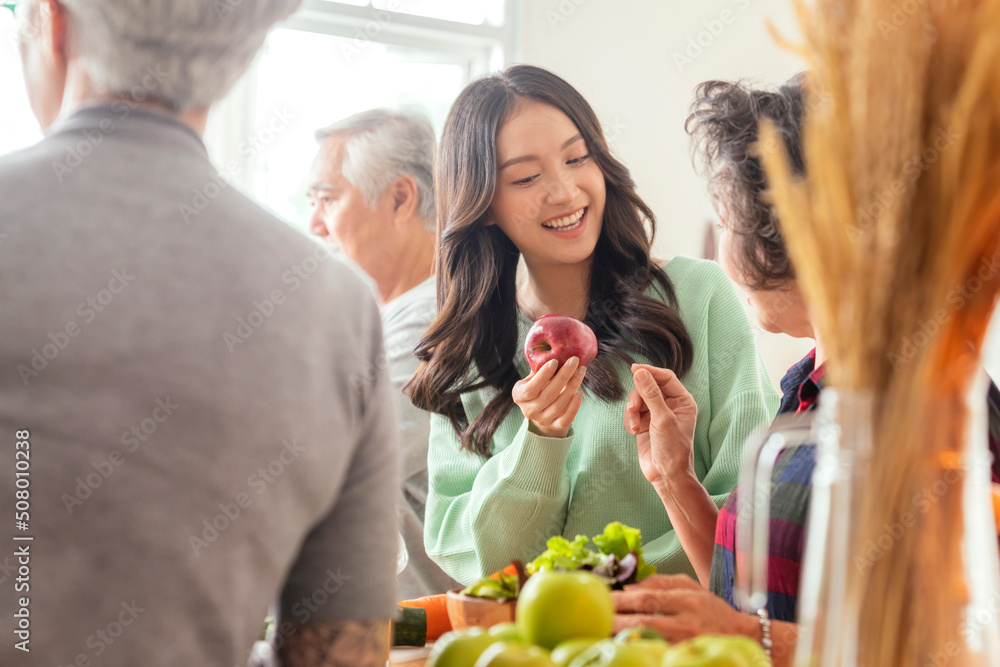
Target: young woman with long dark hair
[[652, 432]]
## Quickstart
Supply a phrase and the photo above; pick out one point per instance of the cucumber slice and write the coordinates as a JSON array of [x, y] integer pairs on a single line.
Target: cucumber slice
[[409, 628]]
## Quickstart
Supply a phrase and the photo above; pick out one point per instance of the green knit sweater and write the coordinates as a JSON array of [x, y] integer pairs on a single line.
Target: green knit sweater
[[481, 513]]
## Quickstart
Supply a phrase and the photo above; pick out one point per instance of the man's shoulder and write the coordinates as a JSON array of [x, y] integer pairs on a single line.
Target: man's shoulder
[[23, 167], [236, 249], [414, 309], [326, 281]]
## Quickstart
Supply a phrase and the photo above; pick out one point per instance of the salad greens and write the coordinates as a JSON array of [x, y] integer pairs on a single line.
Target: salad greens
[[619, 559], [504, 587], [621, 540], [500, 586], [565, 555]]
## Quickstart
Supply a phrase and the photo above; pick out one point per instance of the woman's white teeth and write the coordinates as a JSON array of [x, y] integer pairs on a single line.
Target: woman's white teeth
[[568, 221]]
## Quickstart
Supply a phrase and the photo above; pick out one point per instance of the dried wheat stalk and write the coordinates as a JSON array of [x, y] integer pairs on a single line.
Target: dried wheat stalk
[[893, 234]]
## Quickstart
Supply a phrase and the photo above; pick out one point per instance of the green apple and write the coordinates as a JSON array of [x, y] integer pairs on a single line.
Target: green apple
[[564, 653], [713, 651], [608, 653], [751, 650], [459, 648], [556, 606], [506, 632], [514, 654], [655, 648], [637, 632]]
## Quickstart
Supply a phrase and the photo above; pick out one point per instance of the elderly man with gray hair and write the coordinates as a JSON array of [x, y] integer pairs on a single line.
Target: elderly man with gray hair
[[196, 435], [372, 189]]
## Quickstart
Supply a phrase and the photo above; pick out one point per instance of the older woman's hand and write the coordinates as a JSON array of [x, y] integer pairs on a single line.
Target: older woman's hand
[[678, 608], [661, 414]]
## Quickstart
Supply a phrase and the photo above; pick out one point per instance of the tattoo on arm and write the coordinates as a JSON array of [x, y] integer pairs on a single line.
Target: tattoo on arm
[[337, 644]]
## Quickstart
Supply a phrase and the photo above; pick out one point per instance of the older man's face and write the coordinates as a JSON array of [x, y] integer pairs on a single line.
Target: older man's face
[[340, 212]]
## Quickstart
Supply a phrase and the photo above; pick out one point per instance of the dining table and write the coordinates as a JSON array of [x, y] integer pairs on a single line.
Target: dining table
[[409, 657]]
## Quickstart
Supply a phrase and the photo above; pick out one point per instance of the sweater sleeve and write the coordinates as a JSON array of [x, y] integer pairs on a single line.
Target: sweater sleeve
[[481, 513], [736, 398]]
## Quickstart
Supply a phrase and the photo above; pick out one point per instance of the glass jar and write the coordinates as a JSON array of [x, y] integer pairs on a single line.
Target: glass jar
[[839, 555]]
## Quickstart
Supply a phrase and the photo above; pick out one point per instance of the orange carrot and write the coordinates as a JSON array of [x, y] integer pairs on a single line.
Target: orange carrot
[[510, 569], [436, 607]]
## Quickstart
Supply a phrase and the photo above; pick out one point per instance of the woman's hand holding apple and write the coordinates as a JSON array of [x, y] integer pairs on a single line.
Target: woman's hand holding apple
[[550, 398]]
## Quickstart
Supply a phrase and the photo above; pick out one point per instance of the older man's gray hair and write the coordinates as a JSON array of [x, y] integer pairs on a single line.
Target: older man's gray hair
[[183, 53], [380, 145]]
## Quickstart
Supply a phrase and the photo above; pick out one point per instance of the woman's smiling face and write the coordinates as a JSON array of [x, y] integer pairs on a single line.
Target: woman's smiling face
[[550, 193]]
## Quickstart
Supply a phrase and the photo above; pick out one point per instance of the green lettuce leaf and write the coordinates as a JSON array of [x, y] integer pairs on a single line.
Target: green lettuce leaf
[[565, 555], [618, 540], [506, 587], [621, 540]]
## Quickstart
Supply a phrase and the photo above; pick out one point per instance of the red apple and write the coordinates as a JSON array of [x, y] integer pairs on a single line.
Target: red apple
[[559, 337]]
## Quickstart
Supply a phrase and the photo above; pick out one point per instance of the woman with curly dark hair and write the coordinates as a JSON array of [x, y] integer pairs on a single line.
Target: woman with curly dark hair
[[525, 172], [723, 124], [724, 121]]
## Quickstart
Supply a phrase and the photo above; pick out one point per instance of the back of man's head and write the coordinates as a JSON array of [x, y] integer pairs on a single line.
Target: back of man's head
[[380, 145], [185, 54]]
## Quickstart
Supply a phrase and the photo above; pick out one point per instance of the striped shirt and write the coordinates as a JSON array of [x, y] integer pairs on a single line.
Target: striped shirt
[[790, 492]]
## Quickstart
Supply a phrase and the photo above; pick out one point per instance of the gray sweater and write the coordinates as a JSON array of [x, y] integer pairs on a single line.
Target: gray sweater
[[209, 419], [404, 320]]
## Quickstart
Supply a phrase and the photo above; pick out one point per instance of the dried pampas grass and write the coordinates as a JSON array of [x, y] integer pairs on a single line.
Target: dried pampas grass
[[895, 236]]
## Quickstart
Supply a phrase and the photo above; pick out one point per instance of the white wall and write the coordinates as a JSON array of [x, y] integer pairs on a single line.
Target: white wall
[[637, 62]]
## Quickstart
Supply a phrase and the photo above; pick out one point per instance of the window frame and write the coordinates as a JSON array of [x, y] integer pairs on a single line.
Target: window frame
[[478, 49], [481, 48]]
